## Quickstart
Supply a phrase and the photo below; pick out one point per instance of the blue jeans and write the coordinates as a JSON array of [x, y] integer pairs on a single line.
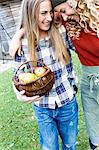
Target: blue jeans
[[62, 121], [90, 101]]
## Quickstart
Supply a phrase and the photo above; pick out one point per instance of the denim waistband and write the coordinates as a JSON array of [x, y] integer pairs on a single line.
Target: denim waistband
[[90, 69], [91, 73]]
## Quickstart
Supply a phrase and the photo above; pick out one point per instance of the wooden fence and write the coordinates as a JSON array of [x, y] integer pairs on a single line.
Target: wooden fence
[[9, 18]]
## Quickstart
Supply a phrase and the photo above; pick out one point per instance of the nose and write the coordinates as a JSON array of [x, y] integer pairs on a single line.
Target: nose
[[49, 17], [57, 13]]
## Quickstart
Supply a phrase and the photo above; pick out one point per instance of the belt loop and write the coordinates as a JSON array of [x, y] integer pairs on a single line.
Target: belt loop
[[91, 85], [91, 77], [56, 106]]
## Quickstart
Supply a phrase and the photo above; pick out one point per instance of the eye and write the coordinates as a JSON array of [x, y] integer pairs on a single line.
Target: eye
[[55, 11], [63, 11], [43, 12]]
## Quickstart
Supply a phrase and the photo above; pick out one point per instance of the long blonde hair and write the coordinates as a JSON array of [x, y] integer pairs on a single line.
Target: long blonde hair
[[88, 13], [30, 9]]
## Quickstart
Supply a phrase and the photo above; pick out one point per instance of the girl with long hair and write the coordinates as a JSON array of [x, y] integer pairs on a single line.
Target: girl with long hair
[[57, 112]]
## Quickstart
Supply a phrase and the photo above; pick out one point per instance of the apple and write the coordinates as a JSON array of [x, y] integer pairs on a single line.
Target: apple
[[39, 71], [27, 77]]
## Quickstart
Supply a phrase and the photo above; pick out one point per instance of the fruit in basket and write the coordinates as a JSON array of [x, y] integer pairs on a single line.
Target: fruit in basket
[[27, 77], [39, 71], [33, 84]]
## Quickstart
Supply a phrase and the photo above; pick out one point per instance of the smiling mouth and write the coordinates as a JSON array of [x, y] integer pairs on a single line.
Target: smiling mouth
[[47, 23]]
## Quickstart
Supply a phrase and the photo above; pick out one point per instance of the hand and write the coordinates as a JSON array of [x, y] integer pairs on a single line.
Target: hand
[[64, 16], [23, 98]]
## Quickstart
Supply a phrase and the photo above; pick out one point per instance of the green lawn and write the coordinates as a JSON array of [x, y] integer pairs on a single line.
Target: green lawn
[[18, 128]]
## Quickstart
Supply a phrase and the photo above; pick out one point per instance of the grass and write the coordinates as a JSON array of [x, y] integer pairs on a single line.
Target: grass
[[82, 138], [18, 128]]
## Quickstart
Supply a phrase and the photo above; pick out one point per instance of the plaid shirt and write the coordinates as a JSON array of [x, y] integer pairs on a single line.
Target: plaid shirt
[[62, 91]]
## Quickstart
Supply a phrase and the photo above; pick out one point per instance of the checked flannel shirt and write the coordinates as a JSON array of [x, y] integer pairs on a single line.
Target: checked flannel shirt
[[62, 91]]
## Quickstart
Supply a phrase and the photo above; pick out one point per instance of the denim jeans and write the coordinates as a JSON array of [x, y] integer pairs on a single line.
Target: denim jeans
[[90, 101], [62, 121]]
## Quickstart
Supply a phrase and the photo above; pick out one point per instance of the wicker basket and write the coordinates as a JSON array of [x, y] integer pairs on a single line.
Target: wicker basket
[[39, 86]]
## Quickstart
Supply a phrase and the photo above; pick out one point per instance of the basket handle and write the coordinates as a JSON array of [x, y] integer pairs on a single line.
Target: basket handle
[[28, 62]]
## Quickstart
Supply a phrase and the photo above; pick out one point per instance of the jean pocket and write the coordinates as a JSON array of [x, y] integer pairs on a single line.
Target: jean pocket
[[71, 108], [41, 114]]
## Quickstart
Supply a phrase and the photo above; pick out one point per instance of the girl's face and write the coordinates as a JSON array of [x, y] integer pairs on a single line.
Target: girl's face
[[65, 10], [45, 16]]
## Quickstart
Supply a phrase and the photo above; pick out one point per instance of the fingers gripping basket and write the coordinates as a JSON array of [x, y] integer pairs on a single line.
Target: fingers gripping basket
[[41, 85]]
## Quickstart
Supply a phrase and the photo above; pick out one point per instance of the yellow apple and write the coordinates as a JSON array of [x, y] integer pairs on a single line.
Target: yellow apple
[[27, 77], [39, 71]]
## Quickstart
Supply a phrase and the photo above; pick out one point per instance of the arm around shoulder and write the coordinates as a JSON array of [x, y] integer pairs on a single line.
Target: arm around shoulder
[[15, 44]]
